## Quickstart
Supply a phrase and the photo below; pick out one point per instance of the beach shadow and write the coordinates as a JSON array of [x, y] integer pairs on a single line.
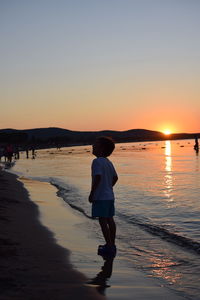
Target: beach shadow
[[101, 280]]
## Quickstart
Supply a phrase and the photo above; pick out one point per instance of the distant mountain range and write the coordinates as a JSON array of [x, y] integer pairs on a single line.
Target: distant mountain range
[[53, 136]]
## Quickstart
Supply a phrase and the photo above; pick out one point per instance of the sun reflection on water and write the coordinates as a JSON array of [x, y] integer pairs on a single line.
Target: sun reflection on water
[[168, 158], [166, 269], [168, 178]]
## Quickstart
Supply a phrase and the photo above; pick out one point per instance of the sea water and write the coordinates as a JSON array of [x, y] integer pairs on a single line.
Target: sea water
[[157, 203]]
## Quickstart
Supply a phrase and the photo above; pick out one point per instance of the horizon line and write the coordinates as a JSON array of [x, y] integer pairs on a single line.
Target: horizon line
[[197, 132]]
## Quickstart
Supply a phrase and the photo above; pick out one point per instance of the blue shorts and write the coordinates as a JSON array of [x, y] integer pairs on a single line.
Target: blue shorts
[[103, 208]]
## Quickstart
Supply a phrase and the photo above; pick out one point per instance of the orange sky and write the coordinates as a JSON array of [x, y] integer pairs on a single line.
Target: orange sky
[[79, 68]]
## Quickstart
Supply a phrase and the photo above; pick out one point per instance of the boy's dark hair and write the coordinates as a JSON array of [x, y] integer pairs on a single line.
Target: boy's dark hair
[[107, 143]]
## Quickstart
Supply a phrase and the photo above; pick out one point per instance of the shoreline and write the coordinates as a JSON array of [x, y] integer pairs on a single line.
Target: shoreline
[[33, 265], [40, 267]]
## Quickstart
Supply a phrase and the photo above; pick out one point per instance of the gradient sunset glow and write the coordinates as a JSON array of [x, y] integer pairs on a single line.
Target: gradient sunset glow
[[94, 65]]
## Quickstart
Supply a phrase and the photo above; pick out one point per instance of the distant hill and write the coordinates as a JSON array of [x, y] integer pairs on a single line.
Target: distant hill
[[53, 136]]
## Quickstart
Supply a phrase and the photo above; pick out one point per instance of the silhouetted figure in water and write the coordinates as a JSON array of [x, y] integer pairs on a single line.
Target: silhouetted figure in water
[[196, 146]]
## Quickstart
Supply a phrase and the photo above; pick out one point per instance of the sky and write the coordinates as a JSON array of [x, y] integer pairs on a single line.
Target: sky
[[100, 64]]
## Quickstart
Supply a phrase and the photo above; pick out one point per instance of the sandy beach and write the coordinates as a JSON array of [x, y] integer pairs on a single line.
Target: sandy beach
[[32, 265], [47, 254]]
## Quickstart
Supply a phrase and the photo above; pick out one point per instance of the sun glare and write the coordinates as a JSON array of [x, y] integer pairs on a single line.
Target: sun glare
[[167, 131]]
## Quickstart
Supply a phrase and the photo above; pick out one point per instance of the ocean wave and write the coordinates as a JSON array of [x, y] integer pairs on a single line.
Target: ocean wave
[[64, 193], [164, 233], [71, 196]]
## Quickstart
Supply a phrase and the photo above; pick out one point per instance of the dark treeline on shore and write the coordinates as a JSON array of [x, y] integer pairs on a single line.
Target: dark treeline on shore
[[58, 137]]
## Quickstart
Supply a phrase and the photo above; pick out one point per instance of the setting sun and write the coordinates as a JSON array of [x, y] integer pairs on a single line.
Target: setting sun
[[167, 131], [168, 128]]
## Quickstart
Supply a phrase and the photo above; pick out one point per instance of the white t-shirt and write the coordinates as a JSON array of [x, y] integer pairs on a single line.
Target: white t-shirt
[[103, 166]]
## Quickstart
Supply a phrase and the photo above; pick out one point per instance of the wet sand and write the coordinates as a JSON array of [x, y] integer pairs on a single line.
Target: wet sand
[[32, 265]]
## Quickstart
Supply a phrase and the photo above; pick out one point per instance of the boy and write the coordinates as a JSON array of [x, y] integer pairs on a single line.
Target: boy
[[101, 196]]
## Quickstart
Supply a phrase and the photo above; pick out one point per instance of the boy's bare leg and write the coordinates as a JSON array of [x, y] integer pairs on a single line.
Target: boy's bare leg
[[105, 230], [112, 229]]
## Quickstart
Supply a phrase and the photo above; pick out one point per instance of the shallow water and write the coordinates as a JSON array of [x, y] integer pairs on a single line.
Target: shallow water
[[157, 203]]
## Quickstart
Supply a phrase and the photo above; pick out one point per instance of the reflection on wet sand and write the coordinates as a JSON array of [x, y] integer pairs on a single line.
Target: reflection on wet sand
[[101, 279]]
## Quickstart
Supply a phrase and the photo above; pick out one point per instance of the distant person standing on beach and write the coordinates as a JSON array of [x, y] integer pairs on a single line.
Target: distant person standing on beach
[[9, 152], [101, 196], [33, 152], [27, 151], [196, 146], [16, 152], [1, 152]]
